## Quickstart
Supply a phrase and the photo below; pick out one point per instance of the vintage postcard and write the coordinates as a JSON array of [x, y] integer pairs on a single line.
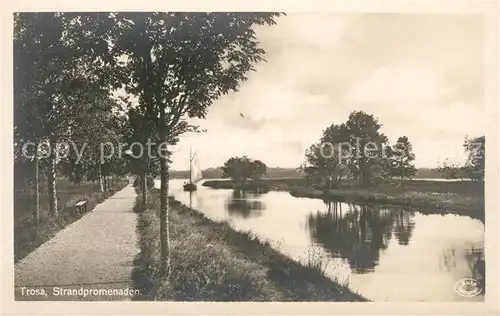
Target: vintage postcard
[[314, 159]]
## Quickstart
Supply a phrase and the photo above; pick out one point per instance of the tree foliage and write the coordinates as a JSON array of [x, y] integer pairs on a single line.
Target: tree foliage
[[401, 157], [476, 151], [178, 64], [243, 168], [325, 160], [366, 160], [474, 166], [60, 64], [356, 148]]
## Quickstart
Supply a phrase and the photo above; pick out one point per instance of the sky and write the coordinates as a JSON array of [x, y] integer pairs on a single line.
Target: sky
[[420, 75]]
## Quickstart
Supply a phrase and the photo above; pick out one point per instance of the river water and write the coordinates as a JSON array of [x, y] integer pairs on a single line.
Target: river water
[[385, 254]]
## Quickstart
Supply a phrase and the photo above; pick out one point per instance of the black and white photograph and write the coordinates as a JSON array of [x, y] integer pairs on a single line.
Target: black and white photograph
[[246, 156]]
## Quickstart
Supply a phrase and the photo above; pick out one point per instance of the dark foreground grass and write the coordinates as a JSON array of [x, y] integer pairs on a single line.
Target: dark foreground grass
[[212, 262], [461, 197], [28, 236]]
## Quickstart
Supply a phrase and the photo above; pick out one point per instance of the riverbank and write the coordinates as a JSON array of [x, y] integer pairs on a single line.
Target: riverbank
[[286, 184], [461, 197], [28, 236], [212, 262]]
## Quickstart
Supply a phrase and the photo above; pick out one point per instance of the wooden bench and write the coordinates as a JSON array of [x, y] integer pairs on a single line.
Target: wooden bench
[[81, 207]]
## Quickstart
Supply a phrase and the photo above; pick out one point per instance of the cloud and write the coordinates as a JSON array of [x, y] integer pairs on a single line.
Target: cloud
[[398, 85], [420, 74]]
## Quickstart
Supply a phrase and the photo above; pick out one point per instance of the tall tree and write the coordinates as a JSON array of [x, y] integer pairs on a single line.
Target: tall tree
[[401, 159], [179, 63], [141, 129], [367, 147], [325, 159], [258, 169], [475, 164], [59, 66]]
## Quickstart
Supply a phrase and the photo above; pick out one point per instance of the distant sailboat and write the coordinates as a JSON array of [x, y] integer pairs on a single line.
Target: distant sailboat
[[195, 174]]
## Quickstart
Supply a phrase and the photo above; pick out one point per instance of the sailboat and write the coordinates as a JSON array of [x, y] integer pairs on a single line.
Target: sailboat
[[195, 174]]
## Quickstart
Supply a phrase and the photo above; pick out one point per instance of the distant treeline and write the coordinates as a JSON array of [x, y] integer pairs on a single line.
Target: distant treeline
[[216, 173], [431, 173], [210, 173]]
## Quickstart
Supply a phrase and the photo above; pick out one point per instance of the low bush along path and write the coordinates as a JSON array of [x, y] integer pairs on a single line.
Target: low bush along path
[[94, 253]]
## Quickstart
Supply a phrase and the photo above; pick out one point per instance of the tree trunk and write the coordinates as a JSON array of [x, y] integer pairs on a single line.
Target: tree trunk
[[42, 181], [401, 173], [51, 177], [100, 177], [144, 183], [36, 192], [164, 205]]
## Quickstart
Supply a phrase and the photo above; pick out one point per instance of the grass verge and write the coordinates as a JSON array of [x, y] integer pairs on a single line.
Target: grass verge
[[28, 236], [212, 262]]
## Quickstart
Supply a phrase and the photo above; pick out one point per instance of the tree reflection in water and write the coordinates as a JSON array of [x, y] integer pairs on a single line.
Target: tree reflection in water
[[359, 233], [474, 261], [403, 226], [245, 204]]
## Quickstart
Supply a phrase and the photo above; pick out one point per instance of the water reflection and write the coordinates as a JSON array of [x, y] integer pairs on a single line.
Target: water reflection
[[244, 203], [475, 259], [358, 233], [403, 226], [385, 253], [193, 200], [469, 262]]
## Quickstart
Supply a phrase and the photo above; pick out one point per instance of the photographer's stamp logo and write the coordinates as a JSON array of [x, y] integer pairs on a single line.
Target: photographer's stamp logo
[[468, 287]]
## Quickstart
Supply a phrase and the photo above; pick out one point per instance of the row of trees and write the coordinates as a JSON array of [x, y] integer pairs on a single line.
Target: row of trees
[[69, 66], [357, 149], [61, 95]]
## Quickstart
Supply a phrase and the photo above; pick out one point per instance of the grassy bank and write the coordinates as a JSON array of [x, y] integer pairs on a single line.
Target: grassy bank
[[212, 262], [462, 197], [28, 236], [465, 198]]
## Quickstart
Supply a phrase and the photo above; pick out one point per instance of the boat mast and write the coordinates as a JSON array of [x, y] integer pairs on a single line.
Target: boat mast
[[190, 166]]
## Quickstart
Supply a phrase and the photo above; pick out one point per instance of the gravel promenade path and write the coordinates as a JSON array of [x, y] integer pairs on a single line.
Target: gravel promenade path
[[94, 254]]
